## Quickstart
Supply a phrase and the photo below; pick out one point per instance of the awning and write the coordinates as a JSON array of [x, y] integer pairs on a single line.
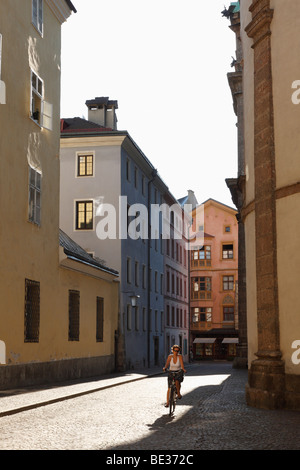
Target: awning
[[204, 340], [230, 340]]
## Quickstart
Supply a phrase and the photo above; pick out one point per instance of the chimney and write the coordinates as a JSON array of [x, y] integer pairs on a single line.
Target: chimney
[[192, 198], [102, 111]]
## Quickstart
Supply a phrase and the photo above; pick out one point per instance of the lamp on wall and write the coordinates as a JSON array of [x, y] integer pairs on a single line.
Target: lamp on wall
[[133, 297]]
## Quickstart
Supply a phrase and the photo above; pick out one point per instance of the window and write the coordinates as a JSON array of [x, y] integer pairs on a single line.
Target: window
[[144, 276], [201, 288], [128, 170], [227, 229], [136, 273], [84, 215], [201, 314], [37, 15], [168, 315], [34, 210], [99, 319], [143, 185], [137, 318], [201, 256], [135, 177], [227, 251], [85, 165], [128, 270], [144, 319], [173, 316], [37, 95], [228, 282], [228, 314], [74, 303], [32, 311]]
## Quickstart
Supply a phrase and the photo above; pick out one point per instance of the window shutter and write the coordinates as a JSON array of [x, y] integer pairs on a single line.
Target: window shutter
[[34, 12], [40, 16], [47, 115]]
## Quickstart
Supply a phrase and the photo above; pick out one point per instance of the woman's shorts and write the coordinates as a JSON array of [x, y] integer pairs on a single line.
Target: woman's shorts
[[178, 377]]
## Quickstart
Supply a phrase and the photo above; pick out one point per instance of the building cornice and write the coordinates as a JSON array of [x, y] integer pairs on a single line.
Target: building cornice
[[61, 9]]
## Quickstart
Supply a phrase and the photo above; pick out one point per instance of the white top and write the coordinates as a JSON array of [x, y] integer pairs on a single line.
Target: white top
[[175, 366]]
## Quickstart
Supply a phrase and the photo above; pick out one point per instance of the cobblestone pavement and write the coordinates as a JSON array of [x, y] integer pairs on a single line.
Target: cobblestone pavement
[[129, 415]]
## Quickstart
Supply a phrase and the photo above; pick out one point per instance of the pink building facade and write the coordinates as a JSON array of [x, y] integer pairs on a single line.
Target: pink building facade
[[214, 282]]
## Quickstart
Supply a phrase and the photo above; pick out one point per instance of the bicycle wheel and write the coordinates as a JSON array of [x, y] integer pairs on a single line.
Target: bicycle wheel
[[172, 401]]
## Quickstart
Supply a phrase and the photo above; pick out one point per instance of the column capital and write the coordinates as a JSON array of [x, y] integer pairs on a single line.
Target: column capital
[[262, 16]]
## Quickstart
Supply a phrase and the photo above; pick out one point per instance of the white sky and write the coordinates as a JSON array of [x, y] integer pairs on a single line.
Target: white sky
[[166, 63]]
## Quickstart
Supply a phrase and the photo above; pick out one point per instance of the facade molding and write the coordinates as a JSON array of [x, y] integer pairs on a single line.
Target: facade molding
[[60, 9]]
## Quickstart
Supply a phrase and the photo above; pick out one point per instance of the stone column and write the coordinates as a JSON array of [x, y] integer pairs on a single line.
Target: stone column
[[265, 388], [237, 189]]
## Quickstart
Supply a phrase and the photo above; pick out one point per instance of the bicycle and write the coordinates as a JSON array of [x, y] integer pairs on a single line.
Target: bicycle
[[173, 393]]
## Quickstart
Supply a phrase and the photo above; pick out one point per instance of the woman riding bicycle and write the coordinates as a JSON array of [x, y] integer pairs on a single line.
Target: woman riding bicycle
[[175, 364]]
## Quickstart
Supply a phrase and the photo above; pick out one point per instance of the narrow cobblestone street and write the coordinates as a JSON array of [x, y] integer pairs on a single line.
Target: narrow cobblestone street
[[212, 415]]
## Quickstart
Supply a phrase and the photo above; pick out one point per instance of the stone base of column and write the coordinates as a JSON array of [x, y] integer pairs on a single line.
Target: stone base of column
[[266, 383]]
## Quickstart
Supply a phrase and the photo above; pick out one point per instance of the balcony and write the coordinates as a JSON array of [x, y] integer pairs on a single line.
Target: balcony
[[201, 295], [200, 263]]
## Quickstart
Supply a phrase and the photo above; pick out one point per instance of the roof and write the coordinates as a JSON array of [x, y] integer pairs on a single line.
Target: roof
[[78, 124], [214, 201], [74, 127], [71, 6], [183, 200], [74, 251], [201, 234]]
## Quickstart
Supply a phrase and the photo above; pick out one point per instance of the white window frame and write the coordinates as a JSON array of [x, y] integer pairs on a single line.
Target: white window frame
[[34, 196], [36, 98], [37, 15]]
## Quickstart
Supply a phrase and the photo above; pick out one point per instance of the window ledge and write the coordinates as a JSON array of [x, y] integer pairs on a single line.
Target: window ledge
[[36, 122]]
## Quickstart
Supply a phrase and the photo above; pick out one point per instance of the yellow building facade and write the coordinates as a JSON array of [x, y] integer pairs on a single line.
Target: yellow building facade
[[267, 31], [40, 270]]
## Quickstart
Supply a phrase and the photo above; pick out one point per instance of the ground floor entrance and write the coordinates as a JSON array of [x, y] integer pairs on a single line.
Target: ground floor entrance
[[220, 347]]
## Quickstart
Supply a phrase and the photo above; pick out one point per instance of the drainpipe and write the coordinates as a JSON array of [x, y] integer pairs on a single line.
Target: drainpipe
[[153, 175]]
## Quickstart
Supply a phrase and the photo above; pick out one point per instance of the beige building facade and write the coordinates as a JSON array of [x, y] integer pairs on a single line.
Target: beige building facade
[[49, 291], [268, 31]]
